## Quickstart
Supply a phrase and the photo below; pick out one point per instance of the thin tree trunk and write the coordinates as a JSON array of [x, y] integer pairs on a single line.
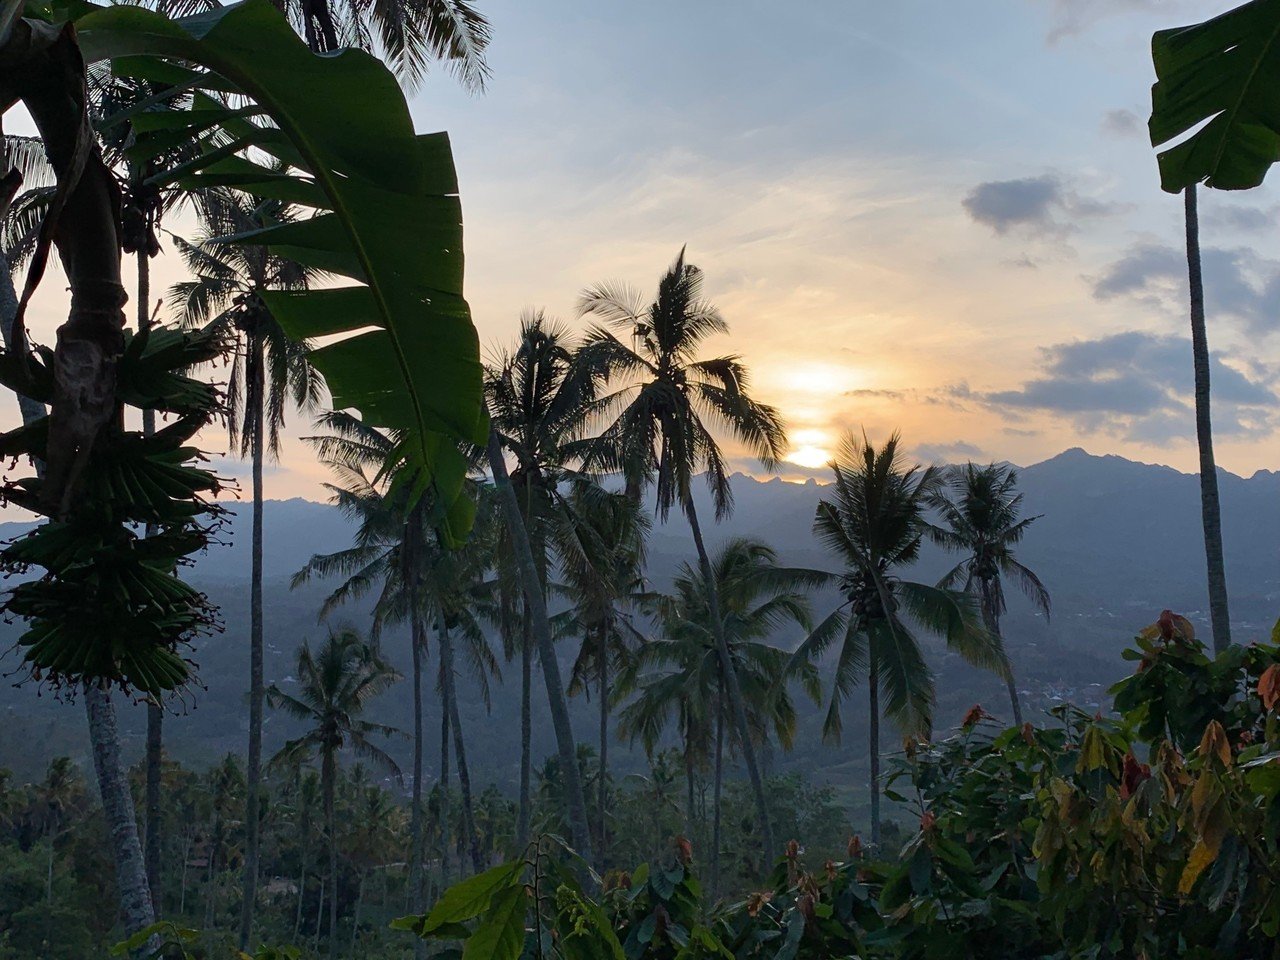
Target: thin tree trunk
[[604, 744], [1210, 508], [327, 772], [715, 812], [541, 628], [690, 804], [992, 621], [355, 925], [526, 732], [302, 885], [155, 712], [253, 774], [470, 839], [873, 746], [732, 686], [415, 816], [315, 940], [117, 808], [445, 826]]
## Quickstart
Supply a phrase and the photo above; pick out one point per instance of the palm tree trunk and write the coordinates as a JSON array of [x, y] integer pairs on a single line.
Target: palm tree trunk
[[355, 924], [604, 744], [327, 774], [1210, 509], [715, 812], [253, 775], [526, 734], [117, 808], [873, 745], [155, 713], [418, 641], [445, 826], [690, 805], [302, 885], [732, 686], [541, 628], [459, 748], [992, 622]]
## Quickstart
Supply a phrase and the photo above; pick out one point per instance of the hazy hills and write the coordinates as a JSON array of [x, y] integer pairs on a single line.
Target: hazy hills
[[1117, 542]]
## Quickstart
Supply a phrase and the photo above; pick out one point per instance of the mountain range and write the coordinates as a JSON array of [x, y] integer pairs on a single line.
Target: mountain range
[[1116, 541]]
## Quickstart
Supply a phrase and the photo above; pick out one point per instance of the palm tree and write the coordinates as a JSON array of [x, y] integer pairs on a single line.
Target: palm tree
[[981, 516], [397, 553], [539, 402], [1210, 508], [657, 426], [680, 677], [270, 371], [334, 686], [875, 523], [410, 34], [603, 572]]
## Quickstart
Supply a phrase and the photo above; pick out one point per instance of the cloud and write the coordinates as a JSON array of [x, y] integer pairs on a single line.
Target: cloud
[[1072, 17], [953, 452], [1138, 386], [1123, 124], [1032, 205], [1246, 219], [1237, 283]]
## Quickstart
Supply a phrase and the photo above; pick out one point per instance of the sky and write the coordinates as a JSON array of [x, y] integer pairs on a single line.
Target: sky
[[937, 217]]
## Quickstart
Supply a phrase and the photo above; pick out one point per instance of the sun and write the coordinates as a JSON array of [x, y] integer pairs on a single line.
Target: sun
[[809, 449]]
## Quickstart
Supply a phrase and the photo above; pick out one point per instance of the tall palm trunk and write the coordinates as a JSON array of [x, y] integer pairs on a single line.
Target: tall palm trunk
[[303, 856], [470, 839], [1210, 509], [117, 808], [445, 825], [873, 744], [715, 811], [526, 733], [991, 620], [604, 743], [690, 803], [113, 786], [418, 641], [535, 603], [253, 774], [328, 771], [732, 686], [155, 712]]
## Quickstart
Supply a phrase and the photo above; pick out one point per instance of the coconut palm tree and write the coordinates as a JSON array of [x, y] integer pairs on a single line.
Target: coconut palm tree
[[658, 425], [603, 573], [417, 581], [410, 34], [269, 373], [680, 676], [875, 523], [981, 516], [1210, 508], [334, 687], [539, 403]]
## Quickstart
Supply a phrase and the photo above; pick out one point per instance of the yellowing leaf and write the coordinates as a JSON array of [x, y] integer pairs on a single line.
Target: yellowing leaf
[[1269, 686], [1214, 743], [1201, 857]]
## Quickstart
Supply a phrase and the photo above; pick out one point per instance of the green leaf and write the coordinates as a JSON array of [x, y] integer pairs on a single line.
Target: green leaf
[[1224, 71], [500, 935], [408, 360], [471, 897]]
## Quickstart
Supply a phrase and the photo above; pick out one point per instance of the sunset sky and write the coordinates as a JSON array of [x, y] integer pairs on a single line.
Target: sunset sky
[[936, 216]]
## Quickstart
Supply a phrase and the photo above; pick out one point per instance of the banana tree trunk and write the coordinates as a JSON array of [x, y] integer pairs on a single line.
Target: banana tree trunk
[[117, 808], [253, 774], [873, 745], [732, 686], [1210, 509], [541, 627], [470, 839], [445, 825]]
